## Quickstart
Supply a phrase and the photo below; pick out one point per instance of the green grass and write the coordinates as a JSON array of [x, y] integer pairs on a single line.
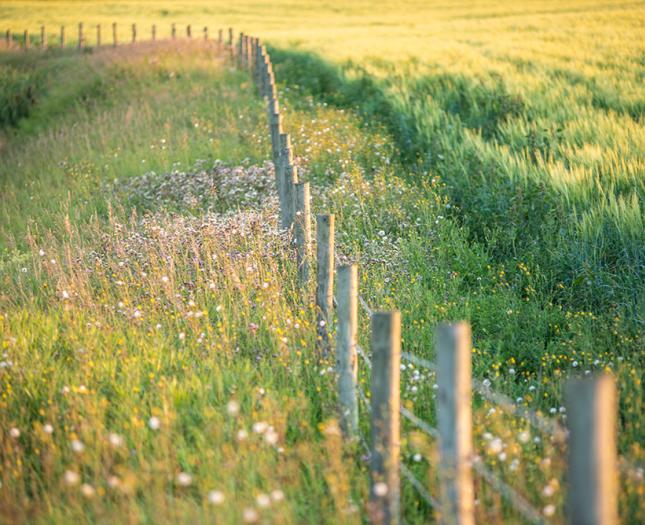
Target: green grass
[[479, 166]]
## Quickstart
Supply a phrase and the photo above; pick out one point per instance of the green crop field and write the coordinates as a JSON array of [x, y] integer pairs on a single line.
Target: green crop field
[[484, 160]]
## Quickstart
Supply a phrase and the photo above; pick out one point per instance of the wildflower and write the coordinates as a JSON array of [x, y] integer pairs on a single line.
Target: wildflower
[[216, 497], [87, 490], [113, 482], [277, 495], [115, 440], [65, 294], [48, 429], [260, 427], [71, 478], [263, 500], [524, 436], [165, 279], [233, 408], [486, 382], [14, 433], [184, 479], [271, 436], [154, 423], [250, 515], [77, 446], [41, 252], [380, 489], [549, 510], [417, 457], [242, 435], [495, 446]]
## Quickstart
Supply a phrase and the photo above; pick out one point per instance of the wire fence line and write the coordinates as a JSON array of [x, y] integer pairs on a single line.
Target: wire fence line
[[511, 495]]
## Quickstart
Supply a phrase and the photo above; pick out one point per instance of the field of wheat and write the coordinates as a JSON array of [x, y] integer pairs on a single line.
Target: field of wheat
[[485, 162]]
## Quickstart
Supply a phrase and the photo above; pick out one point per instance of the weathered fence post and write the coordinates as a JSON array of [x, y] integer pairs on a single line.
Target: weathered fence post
[[346, 358], [220, 39], [153, 33], [385, 429], [98, 35], [80, 35], [290, 181], [205, 34], [303, 231], [454, 423], [189, 33], [7, 38], [324, 277], [231, 47], [43, 38], [26, 39], [134, 33], [592, 465], [173, 31], [283, 179], [62, 36], [115, 40]]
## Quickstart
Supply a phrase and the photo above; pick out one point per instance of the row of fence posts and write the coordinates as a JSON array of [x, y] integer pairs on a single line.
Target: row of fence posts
[[591, 401], [82, 36]]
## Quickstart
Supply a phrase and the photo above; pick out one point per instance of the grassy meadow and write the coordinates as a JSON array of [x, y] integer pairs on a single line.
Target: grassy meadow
[[484, 161]]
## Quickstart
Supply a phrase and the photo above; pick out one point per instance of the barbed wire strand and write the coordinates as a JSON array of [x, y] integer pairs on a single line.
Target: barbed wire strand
[[516, 499], [419, 423], [423, 492]]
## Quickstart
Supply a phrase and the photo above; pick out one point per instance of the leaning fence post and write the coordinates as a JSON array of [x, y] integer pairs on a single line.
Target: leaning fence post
[[189, 33], [134, 33], [26, 38], [324, 277], [43, 37], [98, 35], [346, 358], [114, 35], [592, 465], [80, 35], [303, 231], [454, 423], [385, 428]]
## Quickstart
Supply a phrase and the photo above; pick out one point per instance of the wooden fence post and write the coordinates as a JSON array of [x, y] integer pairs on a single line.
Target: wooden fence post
[[62, 36], [153, 33], [231, 47], [454, 423], [7, 38], [205, 34], [324, 278], [98, 35], [173, 31], [115, 40], [134, 33], [290, 181], [346, 358], [26, 39], [284, 165], [43, 38], [303, 231], [189, 33], [80, 35], [592, 464], [385, 428], [220, 39]]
